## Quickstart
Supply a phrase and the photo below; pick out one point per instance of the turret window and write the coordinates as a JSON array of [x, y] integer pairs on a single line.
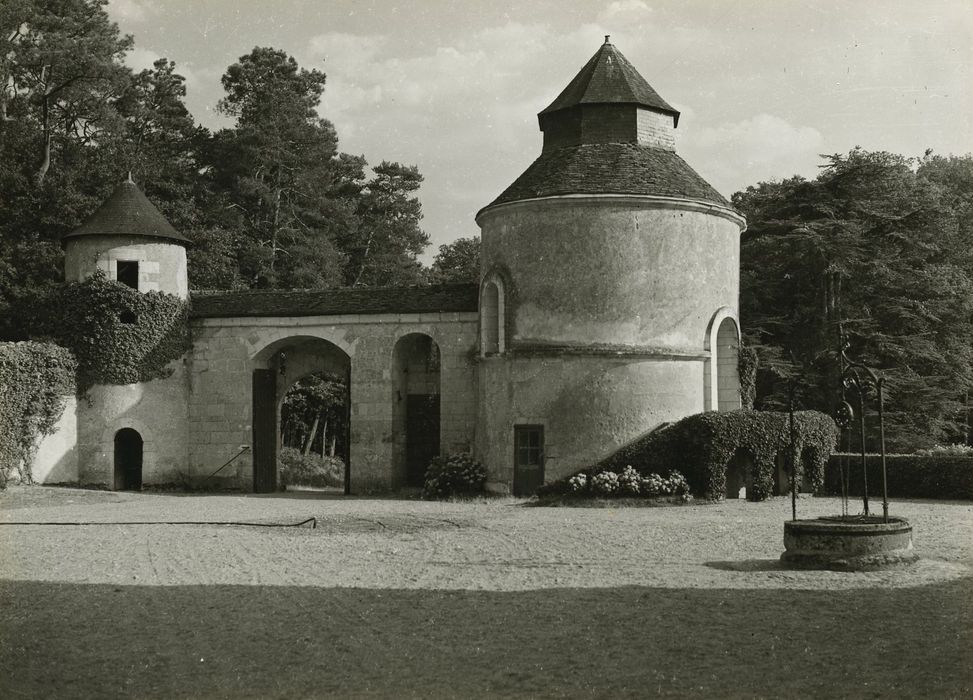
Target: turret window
[[128, 273]]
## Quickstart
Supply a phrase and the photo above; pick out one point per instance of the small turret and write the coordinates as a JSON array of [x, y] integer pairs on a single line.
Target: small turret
[[129, 240]]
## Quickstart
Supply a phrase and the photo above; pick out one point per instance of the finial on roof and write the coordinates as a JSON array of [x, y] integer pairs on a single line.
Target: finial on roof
[[130, 180], [608, 38]]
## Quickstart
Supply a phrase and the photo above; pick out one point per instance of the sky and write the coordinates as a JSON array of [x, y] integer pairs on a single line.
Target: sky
[[765, 87]]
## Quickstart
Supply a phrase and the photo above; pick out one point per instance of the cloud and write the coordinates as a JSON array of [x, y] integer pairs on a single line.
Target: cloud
[[139, 58], [736, 154], [130, 11], [625, 11]]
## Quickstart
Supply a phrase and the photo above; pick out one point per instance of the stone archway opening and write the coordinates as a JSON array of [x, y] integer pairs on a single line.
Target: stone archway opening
[[280, 368], [313, 432], [416, 407], [128, 460]]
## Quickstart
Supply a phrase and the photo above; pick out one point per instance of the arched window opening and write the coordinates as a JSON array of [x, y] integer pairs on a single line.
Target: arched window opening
[[491, 319], [128, 460], [727, 370]]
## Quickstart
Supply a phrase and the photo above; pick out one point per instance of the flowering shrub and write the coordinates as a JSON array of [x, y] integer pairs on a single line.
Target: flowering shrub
[[578, 483], [454, 475], [629, 481], [298, 469], [605, 483]]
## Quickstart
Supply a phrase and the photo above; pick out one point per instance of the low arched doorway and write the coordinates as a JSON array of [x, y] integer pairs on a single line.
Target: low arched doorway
[[416, 407], [128, 460]]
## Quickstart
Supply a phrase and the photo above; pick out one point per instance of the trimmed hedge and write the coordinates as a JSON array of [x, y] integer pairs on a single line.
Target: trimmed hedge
[[909, 476], [702, 446], [34, 379]]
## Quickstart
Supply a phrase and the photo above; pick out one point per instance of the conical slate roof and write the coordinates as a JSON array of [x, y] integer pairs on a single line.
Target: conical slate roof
[[128, 212], [609, 78], [610, 168]]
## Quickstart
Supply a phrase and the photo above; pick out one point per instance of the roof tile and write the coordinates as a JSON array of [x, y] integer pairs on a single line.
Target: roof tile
[[610, 168], [128, 212]]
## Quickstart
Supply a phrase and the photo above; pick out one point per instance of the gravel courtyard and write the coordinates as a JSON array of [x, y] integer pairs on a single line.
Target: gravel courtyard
[[395, 598]]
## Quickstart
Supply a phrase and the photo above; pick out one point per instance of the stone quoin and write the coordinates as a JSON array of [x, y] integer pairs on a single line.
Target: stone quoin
[[607, 305]]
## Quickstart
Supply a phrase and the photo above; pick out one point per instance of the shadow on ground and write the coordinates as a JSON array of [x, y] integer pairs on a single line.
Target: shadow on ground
[[88, 641]]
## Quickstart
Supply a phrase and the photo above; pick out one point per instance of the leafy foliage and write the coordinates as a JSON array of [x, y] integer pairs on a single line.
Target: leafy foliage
[[876, 249], [449, 476], [34, 379], [458, 261], [119, 335], [703, 445], [908, 476], [268, 202], [314, 415], [299, 469]]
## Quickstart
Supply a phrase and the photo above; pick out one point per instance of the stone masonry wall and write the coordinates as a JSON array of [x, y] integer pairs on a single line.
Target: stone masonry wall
[[227, 350], [656, 129]]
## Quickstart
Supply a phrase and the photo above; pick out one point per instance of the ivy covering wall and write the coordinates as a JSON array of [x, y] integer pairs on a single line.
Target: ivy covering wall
[[118, 334], [34, 379]]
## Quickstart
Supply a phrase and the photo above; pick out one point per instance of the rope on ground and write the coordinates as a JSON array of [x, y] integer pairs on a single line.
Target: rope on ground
[[312, 521]]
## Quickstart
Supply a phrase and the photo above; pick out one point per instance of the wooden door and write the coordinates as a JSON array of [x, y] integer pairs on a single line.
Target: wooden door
[[421, 435], [264, 431], [528, 459]]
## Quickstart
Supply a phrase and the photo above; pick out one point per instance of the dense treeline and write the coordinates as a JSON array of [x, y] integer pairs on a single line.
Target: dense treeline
[[269, 202], [875, 252]]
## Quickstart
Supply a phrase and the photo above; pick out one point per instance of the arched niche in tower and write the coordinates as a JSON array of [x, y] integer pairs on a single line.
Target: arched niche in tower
[[492, 332]]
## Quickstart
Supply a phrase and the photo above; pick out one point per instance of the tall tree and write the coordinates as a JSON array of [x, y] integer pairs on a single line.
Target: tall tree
[[874, 247], [458, 261], [277, 165], [60, 64], [385, 246]]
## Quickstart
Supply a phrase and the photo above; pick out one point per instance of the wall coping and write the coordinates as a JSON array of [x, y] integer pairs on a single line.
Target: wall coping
[[337, 320], [644, 200]]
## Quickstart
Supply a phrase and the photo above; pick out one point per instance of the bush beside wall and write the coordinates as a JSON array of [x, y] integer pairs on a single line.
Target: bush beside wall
[[909, 476], [34, 379], [702, 446]]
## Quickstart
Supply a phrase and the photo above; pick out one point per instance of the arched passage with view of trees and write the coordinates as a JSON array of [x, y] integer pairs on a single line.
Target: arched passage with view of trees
[[298, 380]]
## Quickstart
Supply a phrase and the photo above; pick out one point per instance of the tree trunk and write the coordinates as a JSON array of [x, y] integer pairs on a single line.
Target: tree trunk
[[334, 439], [324, 437], [314, 432], [273, 236]]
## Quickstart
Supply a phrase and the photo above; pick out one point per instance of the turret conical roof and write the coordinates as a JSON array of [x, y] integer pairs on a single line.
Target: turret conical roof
[[128, 212], [606, 79]]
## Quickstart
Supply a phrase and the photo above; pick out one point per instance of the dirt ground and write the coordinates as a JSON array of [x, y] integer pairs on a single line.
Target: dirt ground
[[400, 598]]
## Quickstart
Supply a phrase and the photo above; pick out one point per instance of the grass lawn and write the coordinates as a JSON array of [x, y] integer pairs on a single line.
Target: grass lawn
[[411, 599]]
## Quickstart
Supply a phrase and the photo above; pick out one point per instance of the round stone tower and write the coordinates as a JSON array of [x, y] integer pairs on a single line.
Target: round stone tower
[[609, 285], [135, 433], [129, 240]]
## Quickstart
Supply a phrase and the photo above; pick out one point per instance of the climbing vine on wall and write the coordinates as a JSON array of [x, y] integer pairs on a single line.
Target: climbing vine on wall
[[34, 379], [118, 334], [747, 371]]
